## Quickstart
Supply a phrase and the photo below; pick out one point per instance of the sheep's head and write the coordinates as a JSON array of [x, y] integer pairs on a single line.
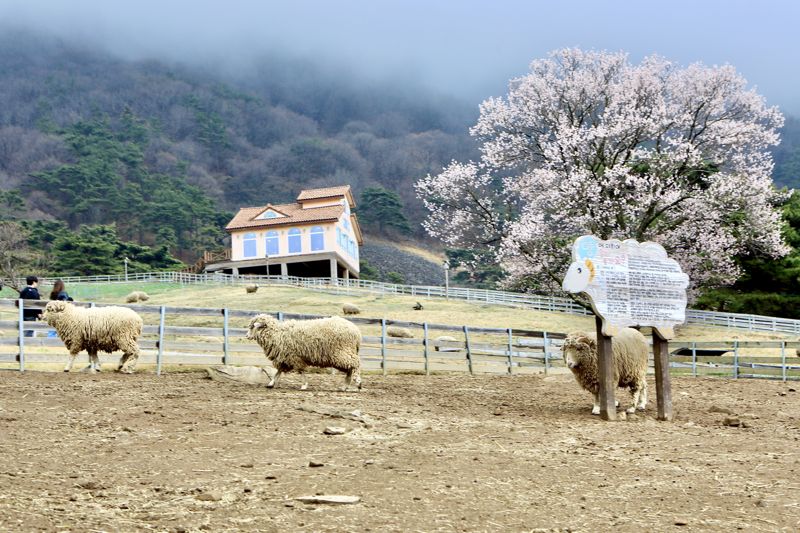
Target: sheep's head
[[577, 349], [52, 309], [260, 322]]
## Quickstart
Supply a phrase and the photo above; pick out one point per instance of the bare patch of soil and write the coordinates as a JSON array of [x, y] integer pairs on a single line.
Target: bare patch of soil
[[179, 452]]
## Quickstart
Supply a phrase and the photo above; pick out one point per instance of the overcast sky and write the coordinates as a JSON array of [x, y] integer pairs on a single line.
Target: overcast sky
[[467, 48]]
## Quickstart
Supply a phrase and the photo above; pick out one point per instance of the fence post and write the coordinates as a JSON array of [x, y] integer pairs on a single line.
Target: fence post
[[225, 336], [783, 360], [469, 349], [735, 359], [21, 336], [383, 345], [510, 350], [425, 347], [694, 359], [160, 355], [544, 348]]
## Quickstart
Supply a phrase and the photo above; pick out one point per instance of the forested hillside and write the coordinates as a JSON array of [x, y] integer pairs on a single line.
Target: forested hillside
[[107, 158], [167, 152]]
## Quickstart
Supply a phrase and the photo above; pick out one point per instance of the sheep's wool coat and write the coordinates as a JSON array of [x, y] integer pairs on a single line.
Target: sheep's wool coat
[[350, 309], [96, 329], [397, 331], [296, 344], [629, 349]]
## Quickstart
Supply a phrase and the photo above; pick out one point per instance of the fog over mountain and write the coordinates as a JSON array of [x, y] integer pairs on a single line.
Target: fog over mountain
[[466, 49]]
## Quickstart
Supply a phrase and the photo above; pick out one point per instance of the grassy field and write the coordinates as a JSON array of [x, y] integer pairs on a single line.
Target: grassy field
[[372, 305]]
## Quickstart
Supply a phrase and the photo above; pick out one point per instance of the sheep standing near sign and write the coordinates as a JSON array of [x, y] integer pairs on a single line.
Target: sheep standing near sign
[[629, 362]]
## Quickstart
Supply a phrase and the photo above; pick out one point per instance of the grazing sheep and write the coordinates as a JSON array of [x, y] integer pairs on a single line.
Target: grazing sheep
[[350, 309], [629, 348], [296, 344], [397, 331], [136, 296], [251, 288], [96, 329]]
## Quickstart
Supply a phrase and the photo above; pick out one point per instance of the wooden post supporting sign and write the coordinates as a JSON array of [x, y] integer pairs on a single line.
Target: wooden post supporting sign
[[663, 385], [605, 369]]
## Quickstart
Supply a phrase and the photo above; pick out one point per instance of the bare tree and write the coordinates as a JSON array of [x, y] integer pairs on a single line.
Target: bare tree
[[16, 256]]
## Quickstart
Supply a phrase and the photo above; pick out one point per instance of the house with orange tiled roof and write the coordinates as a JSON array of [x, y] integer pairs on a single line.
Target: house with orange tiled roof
[[316, 236]]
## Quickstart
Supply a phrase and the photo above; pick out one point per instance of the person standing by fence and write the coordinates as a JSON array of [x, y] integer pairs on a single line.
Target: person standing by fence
[[31, 292], [59, 292]]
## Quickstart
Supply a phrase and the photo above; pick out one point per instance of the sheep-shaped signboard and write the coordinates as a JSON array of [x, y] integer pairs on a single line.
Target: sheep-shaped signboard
[[629, 283]]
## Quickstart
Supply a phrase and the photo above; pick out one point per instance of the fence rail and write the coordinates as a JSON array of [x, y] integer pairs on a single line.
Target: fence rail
[[514, 299], [203, 336]]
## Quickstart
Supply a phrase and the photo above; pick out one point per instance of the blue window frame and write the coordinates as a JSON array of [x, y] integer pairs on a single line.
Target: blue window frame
[[317, 238], [272, 243], [295, 243], [249, 245]]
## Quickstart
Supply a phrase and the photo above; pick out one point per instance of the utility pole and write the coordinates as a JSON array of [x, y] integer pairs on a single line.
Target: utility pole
[[446, 267]]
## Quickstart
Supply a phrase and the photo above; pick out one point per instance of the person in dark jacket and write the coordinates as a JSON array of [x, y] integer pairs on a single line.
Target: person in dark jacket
[[59, 292], [30, 293]]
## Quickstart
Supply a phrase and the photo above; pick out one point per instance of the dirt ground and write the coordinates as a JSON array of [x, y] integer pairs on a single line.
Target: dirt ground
[[111, 452]]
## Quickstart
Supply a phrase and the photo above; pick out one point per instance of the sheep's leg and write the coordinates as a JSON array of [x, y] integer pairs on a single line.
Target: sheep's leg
[[632, 409], [92, 358], [72, 355], [642, 403], [352, 373], [274, 380], [596, 406], [95, 359], [304, 386], [122, 361]]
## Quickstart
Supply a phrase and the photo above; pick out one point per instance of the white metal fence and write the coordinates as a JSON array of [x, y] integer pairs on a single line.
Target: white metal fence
[[514, 299]]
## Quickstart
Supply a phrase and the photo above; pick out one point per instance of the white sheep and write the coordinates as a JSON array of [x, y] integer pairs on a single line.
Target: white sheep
[[136, 296], [251, 288], [96, 329], [629, 354], [350, 309], [297, 344], [400, 332]]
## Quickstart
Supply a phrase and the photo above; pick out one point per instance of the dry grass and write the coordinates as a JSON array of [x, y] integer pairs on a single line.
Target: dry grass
[[400, 307], [425, 253]]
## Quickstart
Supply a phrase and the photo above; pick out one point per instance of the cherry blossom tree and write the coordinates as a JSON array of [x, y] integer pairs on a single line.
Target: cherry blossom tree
[[588, 143]]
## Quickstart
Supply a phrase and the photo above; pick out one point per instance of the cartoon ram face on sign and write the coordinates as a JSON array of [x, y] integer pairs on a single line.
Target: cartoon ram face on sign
[[629, 283], [579, 276]]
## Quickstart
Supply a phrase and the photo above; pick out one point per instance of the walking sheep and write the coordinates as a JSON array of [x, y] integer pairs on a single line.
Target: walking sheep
[[297, 344], [96, 329], [629, 349]]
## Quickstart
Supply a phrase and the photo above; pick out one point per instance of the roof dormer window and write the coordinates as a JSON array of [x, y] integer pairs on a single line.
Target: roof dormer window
[[269, 213]]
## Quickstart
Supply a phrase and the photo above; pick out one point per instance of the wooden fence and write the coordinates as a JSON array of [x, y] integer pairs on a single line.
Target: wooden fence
[[203, 336], [513, 299], [210, 336]]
